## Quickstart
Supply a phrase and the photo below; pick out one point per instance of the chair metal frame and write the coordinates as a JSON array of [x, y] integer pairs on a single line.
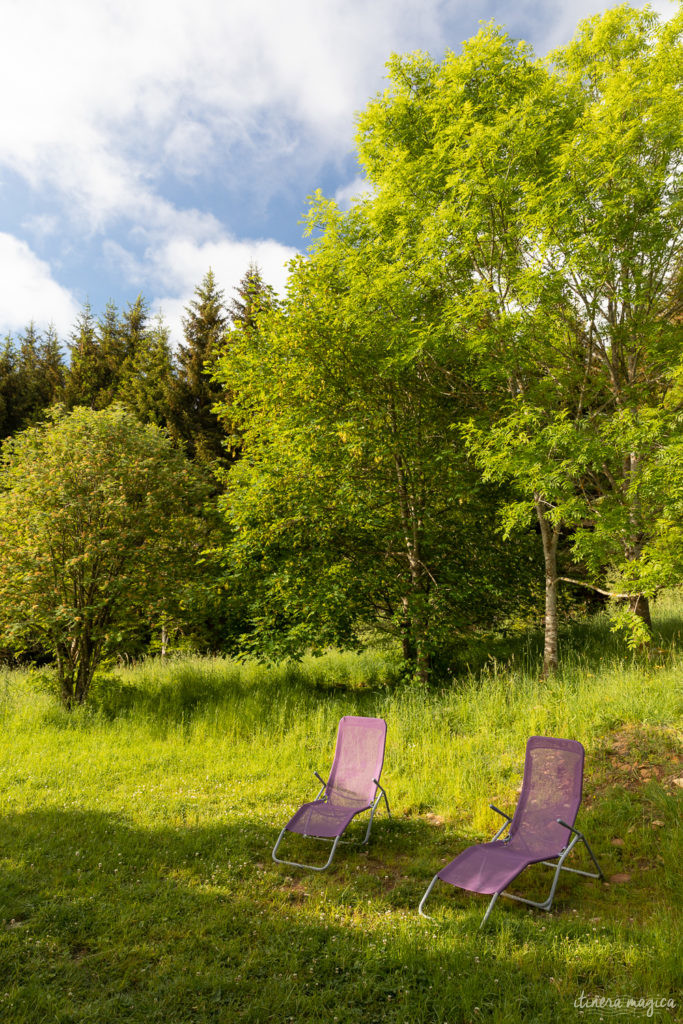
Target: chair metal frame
[[559, 866], [337, 839]]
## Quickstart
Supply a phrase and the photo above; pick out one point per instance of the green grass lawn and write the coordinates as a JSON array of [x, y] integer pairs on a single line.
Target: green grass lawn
[[136, 882]]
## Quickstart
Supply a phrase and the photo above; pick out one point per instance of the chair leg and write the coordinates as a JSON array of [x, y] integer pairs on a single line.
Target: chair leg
[[372, 811], [489, 909], [295, 864], [600, 874], [431, 885], [547, 903], [367, 832], [383, 792], [424, 898]]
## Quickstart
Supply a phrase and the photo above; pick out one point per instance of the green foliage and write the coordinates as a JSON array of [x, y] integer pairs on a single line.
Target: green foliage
[[148, 378], [351, 510], [541, 201], [99, 535], [122, 357]]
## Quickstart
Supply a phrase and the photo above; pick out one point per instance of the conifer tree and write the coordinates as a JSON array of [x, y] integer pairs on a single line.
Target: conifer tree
[[86, 376], [9, 387], [113, 351], [196, 393], [40, 374], [52, 366], [148, 380], [252, 295]]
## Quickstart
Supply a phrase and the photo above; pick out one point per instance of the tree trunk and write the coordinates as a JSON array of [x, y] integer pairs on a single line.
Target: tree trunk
[[86, 668], [65, 674], [407, 641], [416, 603], [640, 606], [550, 536], [67, 687]]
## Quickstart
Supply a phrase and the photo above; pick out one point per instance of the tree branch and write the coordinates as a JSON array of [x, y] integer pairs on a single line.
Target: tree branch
[[591, 586]]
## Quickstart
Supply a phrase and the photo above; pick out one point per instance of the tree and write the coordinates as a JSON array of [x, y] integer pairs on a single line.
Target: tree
[[105, 352], [252, 297], [350, 509], [99, 534], [196, 394], [543, 200], [9, 387], [51, 366], [148, 377], [32, 375], [88, 373]]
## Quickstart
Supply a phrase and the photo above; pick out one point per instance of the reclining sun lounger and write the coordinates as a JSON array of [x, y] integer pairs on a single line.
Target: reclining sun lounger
[[541, 830], [353, 787]]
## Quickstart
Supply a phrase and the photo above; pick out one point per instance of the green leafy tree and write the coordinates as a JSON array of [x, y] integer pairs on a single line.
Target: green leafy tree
[[99, 534], [542, 201], [351, 510]]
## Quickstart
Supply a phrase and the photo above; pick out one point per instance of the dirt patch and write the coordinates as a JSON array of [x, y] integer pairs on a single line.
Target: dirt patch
[[638, 754], [433, 819]]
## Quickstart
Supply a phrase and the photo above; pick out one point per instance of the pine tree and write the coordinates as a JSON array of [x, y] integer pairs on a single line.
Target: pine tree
[[87, 373], [149, 376], [113, 351], [195, 393], [9, 387], [29, 398], [252, 295]]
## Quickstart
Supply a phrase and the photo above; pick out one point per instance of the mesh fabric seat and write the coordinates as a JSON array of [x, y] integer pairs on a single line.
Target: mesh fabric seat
[[542, 827], [353, 787]]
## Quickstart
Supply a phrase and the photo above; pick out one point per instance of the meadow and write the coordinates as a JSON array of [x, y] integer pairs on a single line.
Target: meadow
[[136, 880]]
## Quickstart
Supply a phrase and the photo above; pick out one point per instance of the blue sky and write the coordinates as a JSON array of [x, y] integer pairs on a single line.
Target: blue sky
[[142, 141]]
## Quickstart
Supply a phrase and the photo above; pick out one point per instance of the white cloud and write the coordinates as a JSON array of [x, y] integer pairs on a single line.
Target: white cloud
[[107, 97], [29, 292], [114, 95]]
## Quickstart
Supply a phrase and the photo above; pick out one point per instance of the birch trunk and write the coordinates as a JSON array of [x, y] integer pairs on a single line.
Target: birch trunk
[[416, 603], [640, 605], [550, 536]]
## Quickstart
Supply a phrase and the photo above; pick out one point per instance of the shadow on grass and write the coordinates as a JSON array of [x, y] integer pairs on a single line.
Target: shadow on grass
[[103, 921]]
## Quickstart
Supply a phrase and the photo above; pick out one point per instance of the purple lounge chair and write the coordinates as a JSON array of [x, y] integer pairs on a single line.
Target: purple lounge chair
[[539, 831], [353, 786]]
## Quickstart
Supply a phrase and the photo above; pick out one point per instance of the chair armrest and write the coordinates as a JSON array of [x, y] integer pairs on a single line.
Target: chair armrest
[[324, 785], [502, 813], [571, 828]]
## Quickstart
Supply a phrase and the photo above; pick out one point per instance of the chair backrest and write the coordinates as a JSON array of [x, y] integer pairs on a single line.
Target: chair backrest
[[358, 759], [551, 789]]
